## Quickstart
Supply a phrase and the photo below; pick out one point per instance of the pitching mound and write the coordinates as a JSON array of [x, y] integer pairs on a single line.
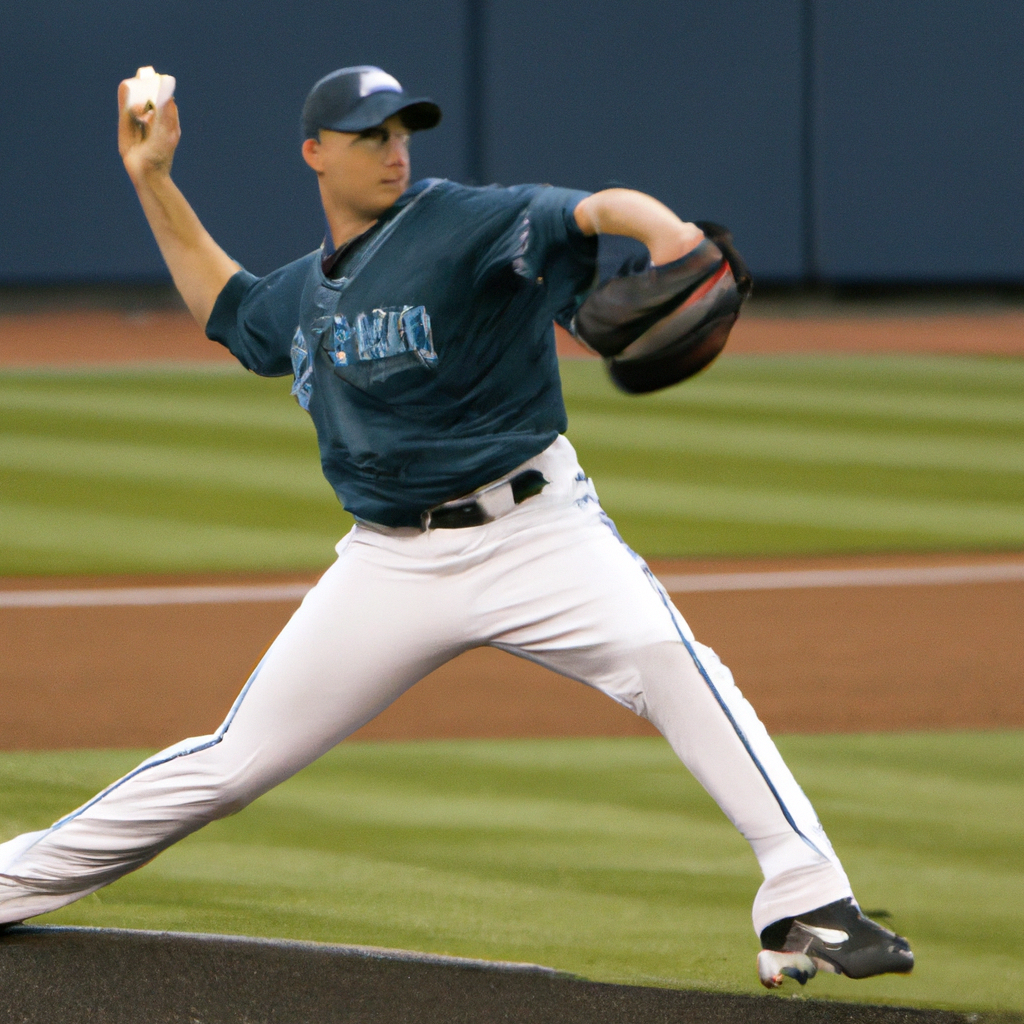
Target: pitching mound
[[52, 974]]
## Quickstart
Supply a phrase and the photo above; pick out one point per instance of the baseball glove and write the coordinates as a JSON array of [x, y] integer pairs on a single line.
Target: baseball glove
[[659, 325]]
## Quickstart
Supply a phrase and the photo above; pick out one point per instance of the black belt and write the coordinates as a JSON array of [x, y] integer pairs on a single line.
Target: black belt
[[486, 504]]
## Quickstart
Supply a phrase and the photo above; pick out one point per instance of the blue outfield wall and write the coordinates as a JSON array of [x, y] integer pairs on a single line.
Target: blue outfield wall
[[871, 141], [919, 139], [243, 70], [696, 103]]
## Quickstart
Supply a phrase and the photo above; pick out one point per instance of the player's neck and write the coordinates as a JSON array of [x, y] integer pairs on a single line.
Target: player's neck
[[346, 225]]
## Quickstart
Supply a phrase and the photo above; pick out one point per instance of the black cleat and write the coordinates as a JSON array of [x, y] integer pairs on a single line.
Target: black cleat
[[836, 938]]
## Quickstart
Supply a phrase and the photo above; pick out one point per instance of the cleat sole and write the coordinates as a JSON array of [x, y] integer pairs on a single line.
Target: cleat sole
[[773, 967]]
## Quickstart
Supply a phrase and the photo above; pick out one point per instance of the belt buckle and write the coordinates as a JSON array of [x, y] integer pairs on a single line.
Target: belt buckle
[[490, 502], [475, 514]]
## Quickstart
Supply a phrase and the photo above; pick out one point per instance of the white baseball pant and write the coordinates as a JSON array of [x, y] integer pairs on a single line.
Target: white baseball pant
[[550, 581]]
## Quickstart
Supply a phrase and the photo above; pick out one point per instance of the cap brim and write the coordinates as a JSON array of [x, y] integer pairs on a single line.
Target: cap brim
[[418, 114]]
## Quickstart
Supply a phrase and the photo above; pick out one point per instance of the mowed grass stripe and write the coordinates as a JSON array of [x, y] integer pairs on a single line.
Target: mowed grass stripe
[[795, 454], [948, 522], [622, 432], [602, 857], [770, 390], [247, 403], [879, 372], [784, 399], [154, 544], [165, 464], [253, 411], [301, 478]]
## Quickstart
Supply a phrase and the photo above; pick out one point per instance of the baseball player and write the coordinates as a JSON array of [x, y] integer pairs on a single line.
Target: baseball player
[[421, 343]]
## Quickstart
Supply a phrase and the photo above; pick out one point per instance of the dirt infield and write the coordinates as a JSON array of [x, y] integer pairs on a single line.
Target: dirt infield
[[811, 660], [85, 337]]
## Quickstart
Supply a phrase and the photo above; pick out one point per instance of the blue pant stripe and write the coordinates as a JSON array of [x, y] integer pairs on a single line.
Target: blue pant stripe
[[741, 735], [217, 737]]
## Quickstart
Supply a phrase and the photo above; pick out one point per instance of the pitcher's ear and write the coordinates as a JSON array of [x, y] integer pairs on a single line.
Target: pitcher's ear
[[311, 154]]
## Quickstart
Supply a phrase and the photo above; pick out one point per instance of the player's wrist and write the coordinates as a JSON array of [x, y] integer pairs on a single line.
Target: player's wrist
[[148, 174]]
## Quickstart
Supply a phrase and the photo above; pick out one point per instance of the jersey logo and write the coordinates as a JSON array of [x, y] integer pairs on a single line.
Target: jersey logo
[[302, 367], [383, 341]]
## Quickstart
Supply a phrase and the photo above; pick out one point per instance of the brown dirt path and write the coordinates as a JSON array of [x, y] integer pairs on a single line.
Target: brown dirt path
[[994, 334], [86, 337], [813, 660]]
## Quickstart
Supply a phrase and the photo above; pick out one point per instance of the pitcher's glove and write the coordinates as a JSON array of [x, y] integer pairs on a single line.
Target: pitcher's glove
[[659, 325]]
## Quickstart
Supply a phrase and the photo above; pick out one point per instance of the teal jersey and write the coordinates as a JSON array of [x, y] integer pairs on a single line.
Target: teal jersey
[[427, 359]]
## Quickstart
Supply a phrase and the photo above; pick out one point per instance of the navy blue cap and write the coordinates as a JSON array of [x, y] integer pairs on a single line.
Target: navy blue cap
[[354, 99]]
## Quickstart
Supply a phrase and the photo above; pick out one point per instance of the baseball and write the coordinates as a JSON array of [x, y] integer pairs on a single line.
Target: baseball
[[149, 89]]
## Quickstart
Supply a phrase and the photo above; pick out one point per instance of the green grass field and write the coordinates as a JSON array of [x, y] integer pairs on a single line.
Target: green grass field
[[189, 469], [601, 857]]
